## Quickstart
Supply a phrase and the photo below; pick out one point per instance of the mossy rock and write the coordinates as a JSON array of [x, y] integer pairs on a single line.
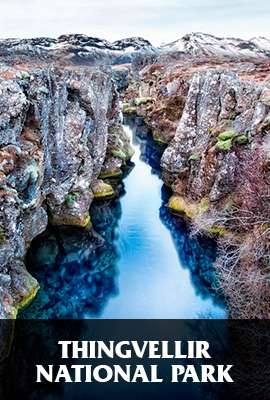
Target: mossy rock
[[111, 174], [24, 75], [242, 139], [267, 121], [119, 153], [225, 136], [193, 157], [72, 220], [129, 110], [102, 190], [159, 139], [32, 173], [203, 206], [178, 205], [229, 203], [143, 100], [112, 130], [2, 235], [25, 301], [71, 199], [130, 152], [224, 145], [216, 231], [43, 90]]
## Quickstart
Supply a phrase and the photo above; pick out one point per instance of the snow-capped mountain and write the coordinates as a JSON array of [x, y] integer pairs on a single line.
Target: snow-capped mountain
[[201, 44], [76, 46], [85, 49]]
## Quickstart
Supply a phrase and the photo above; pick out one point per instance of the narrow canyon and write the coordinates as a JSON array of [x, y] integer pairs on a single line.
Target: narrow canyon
[[192, 156]]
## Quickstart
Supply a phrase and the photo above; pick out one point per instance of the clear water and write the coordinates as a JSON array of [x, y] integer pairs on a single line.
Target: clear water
[[142, 264]]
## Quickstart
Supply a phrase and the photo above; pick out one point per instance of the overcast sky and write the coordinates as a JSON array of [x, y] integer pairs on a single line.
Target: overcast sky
[[157, 20]]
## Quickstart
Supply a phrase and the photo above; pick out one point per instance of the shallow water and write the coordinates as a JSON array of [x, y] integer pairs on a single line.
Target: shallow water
[[146, 265]]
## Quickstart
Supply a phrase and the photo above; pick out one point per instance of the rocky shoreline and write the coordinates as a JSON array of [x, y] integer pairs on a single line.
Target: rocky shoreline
[[61, 140]]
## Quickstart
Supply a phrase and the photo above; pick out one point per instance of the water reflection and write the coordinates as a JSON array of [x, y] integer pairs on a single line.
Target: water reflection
[[140, 262], [76, 268], [195, 254]]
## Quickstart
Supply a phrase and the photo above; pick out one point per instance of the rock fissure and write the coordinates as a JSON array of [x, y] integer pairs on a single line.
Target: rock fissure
[[61, 139]]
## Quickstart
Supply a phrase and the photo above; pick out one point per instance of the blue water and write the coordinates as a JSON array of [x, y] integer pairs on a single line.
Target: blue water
[[152, 282], [142, 263]]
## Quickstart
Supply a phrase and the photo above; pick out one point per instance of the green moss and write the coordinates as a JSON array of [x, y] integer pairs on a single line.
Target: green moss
[[119, 154], [143, 100], [25, 78], [23, 75], [216, 230], [111, 174], [193, 157], [25, 301], [111, 130], [180, 206], [71, 199], [242, 139], [32, 172], [71, 220], [158, 138], [2, 235], [224, 145], [129, 110], [232, 116], [229, 203], [125, 153], [267, 121], [43, 90], [211, 131], [130, 152], [203, 206], [224, 136], [103, 190]]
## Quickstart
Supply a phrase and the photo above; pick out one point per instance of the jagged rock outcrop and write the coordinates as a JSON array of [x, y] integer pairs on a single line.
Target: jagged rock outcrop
[[211, 114], [54, 144], [223, 118]]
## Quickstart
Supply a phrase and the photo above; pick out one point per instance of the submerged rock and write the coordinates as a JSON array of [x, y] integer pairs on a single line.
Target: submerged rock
[[77, 268]]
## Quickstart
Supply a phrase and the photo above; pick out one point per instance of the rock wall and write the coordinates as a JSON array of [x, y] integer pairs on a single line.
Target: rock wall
[[214, 116], [210, 114], [222, 118], [59, 131]]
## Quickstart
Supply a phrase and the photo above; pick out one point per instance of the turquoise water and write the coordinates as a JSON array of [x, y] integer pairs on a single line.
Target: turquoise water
[[142, 263]]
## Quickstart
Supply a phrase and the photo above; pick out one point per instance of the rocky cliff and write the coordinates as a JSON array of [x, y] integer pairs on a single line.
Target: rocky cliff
[[214, 115], [60, 132]]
